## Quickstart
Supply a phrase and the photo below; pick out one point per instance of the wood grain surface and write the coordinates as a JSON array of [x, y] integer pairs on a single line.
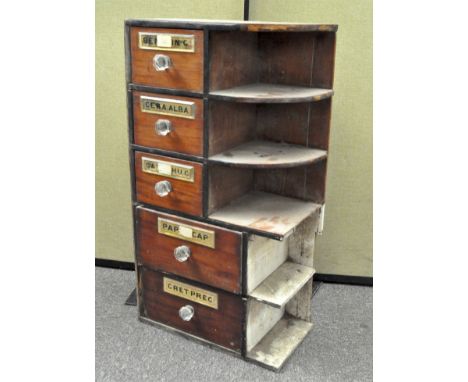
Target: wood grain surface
[[265, 213], [265, 154], [185, 196], [187, 67], [233, 25], [186, 136], [271, 93], [219, 267], [222, 326]]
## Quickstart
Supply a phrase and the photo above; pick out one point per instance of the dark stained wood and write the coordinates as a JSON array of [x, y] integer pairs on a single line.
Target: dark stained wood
[[222, 326], [185, 196], [226, 184], [285, 58], [186, 136], [230, 124], [305, 182], [316, 178], [324, 60], [283, 122], [306, 124], [319, 124], [254, 26], [248, 26], [219, 267], [187, 69], [288, 182], [233, 59]]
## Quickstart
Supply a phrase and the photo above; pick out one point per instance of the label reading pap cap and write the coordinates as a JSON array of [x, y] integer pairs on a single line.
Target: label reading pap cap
[[186, 232], [169, 169], [166, 41], [190, 292]]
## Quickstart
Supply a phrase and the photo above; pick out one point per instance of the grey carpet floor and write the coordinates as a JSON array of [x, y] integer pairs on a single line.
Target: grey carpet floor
[[339, 348]]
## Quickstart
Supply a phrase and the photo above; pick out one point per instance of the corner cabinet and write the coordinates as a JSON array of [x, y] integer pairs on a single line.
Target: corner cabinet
[[228, 138]]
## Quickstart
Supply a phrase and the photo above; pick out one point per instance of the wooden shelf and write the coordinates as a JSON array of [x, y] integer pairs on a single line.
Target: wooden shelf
[[230, 25], [271, 93], [263, 213], [264, 154], [280, 342], [283, 284]]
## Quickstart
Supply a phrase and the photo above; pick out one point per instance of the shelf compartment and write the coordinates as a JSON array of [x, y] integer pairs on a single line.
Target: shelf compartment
[[271, 93], [293, 59], [265, 213], [277, 346], [283, 284], [264, 154]]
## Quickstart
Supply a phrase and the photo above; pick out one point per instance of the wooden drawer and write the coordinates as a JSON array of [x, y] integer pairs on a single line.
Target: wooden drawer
[[184, 178], [186, 70], [217, 315], [183, 115], [214, 254]]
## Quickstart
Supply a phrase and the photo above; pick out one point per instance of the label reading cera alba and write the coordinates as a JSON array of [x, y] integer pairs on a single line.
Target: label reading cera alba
[[167, 106], [186, 232], [190, 292]]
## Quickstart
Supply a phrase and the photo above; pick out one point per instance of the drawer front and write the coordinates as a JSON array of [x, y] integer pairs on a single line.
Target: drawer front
[[217, 315], [180, 180], [186, 68], [168, 123], [196, 251]]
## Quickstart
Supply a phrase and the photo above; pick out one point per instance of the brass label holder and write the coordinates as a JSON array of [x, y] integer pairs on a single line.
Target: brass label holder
[[167, 42], [168, 169], [167, 106], [190, 292], [186, 232]]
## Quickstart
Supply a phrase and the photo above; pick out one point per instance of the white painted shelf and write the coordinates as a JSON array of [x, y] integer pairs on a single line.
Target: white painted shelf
[[283, 284], [280, 342], [265, 154]]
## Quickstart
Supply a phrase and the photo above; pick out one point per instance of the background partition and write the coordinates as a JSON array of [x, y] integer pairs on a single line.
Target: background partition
[[346, 245]]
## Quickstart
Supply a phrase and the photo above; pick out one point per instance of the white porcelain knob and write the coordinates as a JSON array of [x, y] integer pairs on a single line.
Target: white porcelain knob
[[182, 253], [161, 62], [163, 127], [163, 188], [186, 312]]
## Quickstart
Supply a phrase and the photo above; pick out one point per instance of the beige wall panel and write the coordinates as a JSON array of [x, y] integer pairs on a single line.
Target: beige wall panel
[[346, 245], [113, 201]]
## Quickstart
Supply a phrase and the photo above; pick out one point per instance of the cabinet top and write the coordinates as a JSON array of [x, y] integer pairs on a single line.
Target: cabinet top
[[234, 25]]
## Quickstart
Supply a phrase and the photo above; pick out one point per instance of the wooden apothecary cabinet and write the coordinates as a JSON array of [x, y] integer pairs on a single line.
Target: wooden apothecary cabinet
[[228, 128]]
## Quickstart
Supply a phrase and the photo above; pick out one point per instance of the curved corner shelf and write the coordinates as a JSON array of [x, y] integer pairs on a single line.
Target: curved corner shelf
[[265, 213], [265, 154], [271, 93]]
